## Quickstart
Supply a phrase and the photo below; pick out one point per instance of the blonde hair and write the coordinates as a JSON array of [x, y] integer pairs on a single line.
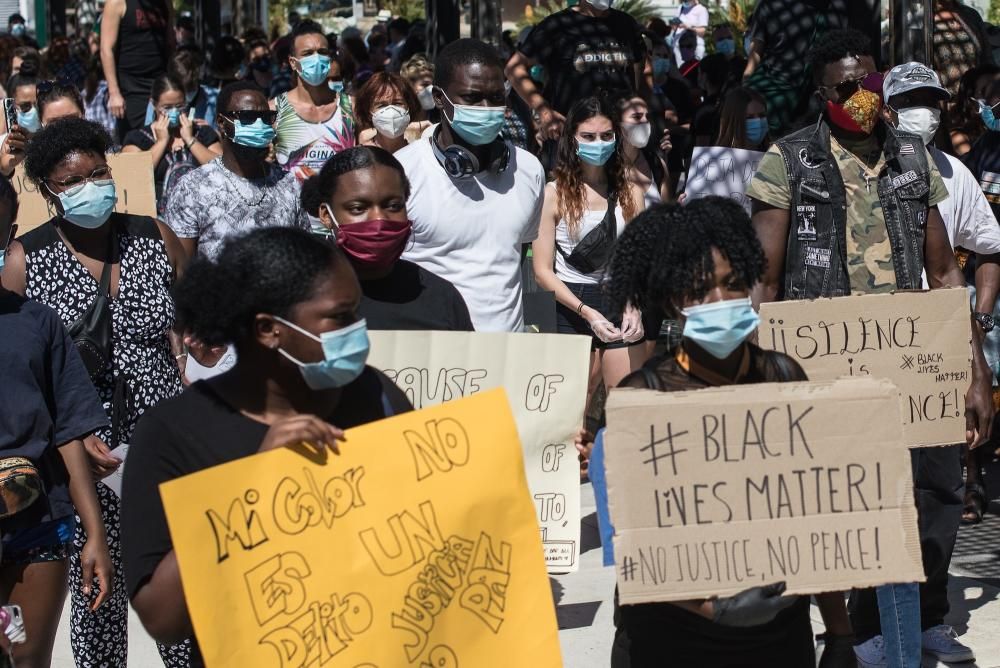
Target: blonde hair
[[417, 67]]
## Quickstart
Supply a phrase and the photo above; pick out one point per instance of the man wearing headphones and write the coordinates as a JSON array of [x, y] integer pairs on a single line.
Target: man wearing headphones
[[476, 199]]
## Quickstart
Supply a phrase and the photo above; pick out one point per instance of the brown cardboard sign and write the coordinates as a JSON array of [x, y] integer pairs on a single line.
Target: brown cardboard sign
[[714, 491], [918, 340], [133, 175]]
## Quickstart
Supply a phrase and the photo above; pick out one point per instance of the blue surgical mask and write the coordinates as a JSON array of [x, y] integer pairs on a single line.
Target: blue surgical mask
[[18, 30], [3, 255], [756, 130], [174, 115], [89, 205], [661, 67], [29, 120], [989, 117], [336, 86], [537, 73], [314, 68], [256, 135], [345, 352], [595, 152], [477, 125], [720, 327], [726, 47]]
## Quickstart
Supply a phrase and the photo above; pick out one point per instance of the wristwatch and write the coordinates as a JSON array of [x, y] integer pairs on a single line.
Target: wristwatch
[[985, 321]]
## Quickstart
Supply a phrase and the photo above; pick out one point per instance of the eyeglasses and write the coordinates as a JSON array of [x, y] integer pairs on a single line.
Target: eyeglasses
[[73, 184], [250, 116], [845, 89]]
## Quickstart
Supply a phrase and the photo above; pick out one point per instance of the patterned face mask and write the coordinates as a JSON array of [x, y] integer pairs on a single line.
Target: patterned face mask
[[859, 114]]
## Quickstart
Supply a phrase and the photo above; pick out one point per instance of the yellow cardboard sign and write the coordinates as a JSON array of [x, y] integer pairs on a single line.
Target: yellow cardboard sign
[[416, 546]]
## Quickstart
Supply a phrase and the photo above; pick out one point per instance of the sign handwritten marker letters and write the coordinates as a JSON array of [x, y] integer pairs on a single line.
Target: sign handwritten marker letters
[[717, 170], [717, 490], [918, 340], [416, 546], [545, 376]]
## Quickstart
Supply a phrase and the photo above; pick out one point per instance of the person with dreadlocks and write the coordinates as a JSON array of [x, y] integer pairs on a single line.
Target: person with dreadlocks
[[590, 197], [697, 264]]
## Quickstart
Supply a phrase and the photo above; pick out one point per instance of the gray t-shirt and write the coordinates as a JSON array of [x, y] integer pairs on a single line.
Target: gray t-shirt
[[212, 204]]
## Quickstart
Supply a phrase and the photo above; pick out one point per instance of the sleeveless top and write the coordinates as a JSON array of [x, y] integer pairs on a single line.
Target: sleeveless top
[[142, 313], [567, 242], [141, 49], [302, 147]]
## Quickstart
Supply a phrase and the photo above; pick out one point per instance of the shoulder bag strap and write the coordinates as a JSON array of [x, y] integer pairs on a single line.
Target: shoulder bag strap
[[610, 219]]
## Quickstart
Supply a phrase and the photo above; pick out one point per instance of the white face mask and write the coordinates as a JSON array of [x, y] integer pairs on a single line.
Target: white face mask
[[426, 97], [637, 134], [391, 121], [922, 121], [600, 5]]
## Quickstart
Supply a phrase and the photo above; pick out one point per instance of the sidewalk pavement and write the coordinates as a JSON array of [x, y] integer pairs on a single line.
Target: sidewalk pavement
[[583, 602]]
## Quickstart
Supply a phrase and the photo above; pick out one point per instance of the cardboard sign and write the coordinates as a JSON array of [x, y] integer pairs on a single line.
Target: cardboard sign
[[918, 340], [545, 376], [716, 170], [714, 491], [416, 546], [133, 174]]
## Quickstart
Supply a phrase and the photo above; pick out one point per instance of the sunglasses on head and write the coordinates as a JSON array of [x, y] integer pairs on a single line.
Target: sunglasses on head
[[845, 89], [44, 87], [249, 117]]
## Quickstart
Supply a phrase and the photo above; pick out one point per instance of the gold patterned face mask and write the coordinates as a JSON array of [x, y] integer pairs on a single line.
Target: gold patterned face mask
[[859, 114]]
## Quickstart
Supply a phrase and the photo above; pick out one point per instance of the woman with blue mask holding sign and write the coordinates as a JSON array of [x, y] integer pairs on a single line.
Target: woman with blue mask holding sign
[[177, 145], [586, 209], [697, 263], [107, 275], [289, 302], [315, 119]]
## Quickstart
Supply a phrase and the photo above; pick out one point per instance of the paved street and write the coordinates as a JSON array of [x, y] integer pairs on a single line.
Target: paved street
[[584, 608]]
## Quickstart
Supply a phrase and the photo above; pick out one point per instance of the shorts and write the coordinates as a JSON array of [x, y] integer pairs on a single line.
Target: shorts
[[48, 541], [594, 296]]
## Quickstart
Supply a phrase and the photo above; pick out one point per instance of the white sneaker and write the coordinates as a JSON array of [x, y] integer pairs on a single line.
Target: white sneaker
[[871, 653], [942, 643]]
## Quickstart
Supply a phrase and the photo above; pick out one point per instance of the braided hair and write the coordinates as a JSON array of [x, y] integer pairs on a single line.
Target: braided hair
[[664, 257], [269, 270]]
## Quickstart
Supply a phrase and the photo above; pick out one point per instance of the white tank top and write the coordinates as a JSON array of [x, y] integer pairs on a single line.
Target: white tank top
[[591, 219]]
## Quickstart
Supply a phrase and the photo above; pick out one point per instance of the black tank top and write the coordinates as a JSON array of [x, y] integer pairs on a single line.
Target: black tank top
[[142, 39]]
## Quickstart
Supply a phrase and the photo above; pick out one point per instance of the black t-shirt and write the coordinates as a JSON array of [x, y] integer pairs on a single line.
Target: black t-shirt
[[197, 430], [983, 160], [585, 54], [48, 401], [789, 28], [411, 297]]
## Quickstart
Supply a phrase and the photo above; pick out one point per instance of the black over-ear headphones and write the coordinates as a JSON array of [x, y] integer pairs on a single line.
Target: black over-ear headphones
[[461, 163]]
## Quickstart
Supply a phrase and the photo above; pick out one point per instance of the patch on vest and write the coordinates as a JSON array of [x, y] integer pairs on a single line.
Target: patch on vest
[[804, 159], [907, 149], [806, 215], [818, 257], [904, 179]]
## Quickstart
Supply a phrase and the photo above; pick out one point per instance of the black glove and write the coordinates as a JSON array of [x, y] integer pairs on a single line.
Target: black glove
[[838, 651], [752, 607]]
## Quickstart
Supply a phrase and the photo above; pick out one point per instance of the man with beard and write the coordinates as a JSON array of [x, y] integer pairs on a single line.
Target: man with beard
[[240, 190]]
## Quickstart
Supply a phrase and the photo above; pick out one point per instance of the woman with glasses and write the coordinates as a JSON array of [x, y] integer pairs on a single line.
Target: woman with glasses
[[177, 144], [84, 252]]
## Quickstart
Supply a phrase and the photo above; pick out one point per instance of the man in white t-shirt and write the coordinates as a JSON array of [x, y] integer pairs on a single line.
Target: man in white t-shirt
[[693, 16], [913, 95], [475, 199]]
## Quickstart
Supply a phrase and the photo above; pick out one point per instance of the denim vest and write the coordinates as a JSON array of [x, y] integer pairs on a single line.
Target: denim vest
[[816, 255]]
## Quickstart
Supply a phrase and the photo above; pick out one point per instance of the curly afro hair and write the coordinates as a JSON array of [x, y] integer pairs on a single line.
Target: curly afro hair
[[60, 139], [269, 270], [834, 46], [664, 257]]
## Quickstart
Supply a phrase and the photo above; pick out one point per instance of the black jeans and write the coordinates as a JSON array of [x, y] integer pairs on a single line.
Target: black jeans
[[939, 488]]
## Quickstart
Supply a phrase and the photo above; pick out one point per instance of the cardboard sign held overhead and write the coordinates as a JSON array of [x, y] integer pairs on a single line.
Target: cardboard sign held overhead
[[133, 175], [415, 546], [545, 376], [717, 170], [918, 340], [714, 491]]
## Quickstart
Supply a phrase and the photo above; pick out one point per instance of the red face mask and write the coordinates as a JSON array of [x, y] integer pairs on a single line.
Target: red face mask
[[374, 245]]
